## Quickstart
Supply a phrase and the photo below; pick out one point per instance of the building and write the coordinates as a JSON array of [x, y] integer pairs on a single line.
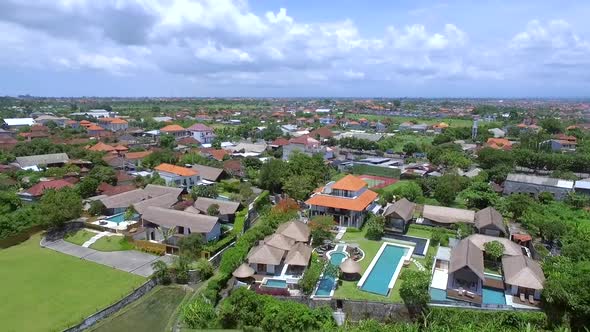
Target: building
[[497, 132], [175, 130], [35, 193], [113, 124], [523, 275], [178, 176], [445, 216], [560, 145], [348, 200], [47, 118], [17, 123], [307, 145], [488, 221], [120, 202], [321, 133], [208, 173], [158, 222], [534, 185], [227, 209], [43, 160], [499, 144], [202, 133], [398, 215], [97, 114]]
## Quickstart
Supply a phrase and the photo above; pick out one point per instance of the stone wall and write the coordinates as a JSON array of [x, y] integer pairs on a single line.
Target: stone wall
[[60, 233], [108, 311], [358, 310]]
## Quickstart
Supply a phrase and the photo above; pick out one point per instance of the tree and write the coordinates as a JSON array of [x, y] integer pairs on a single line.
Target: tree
[[414, 290], [96, 208], [213, 210], [87, 187], [103, 174], [551, 125], [410, 148], [58, 206], [447, 188], [321, 227], [480, 195], [161, 272], [204, 268], [199, 314], [299, 187], [517, 204], [494, 249], [129, 213], [167, 142], [375, 227], [408, 190], [545, 197], [272, 174], [397, 103], [191, 245], [204, 191]]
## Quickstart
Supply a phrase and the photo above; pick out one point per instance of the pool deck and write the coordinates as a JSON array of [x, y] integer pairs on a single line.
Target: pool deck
[[454, 294]]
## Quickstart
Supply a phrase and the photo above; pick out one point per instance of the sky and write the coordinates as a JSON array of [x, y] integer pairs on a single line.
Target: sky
[[295, 48]]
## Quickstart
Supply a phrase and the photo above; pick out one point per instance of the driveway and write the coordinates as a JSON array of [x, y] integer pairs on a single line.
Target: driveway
[[131, 261]]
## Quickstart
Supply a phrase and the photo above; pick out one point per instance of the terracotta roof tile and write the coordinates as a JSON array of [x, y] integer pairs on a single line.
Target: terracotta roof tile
[[39, 188], [137, 155], [354, 204], [349, 182], [172, 128], [100, 146], [178, 170]]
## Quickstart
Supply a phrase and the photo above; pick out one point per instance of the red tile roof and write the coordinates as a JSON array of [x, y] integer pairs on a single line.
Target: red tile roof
[[353, 204], [39, 188], [350, 183], [199, 127], [100, 146], [137, 155], [280, 141], [178, 170], [172, 128]]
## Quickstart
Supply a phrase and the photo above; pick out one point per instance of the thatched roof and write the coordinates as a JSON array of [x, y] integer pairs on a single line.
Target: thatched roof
[[467, 254], [265, 254], [279, 241], [197, 223], [299, 255], [489, 217], [350, 266], [447, 215], [522, 271], [296, 230], [243, 271], [402, 209]]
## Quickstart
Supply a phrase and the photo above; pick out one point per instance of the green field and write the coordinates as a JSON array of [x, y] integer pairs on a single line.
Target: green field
[[112, 243], [154, 312], [429, 121], [43, 290]]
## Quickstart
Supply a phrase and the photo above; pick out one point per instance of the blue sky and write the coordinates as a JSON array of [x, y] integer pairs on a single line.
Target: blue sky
[[269, 48]]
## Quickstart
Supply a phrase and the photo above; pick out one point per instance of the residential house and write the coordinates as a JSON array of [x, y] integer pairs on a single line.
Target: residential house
[[175, 130], [135, 158], [322, 133], [217, 154], [178, 175], [210, 174], [348, 200], [559, 145], [278, 143], [157, 222], [398, 215], [523, 275], [499, 144], [488, 221], [361, 135], [43, 160], [534, 185], [247, 149], [227, 209], [202, 133], [445, 216], [46, 118], [120, 202], [95, 130], [582, 186], [35, 193], [307, 145], [466, 272], [113, 124], [327, 121], [497, 132], [234, 167]]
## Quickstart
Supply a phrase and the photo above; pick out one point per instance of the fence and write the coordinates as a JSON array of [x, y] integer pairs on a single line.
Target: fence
[[376, 171]]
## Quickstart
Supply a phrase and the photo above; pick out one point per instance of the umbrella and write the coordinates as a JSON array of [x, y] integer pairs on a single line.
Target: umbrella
[[350, 266], [244, 271]]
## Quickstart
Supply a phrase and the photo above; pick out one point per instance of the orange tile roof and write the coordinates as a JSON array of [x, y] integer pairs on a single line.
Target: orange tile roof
[[349, 182], [95, 128], [137, 155], [178, 170], [171, 128], [121, 148], [118, 121], [218, 154], [100, 146], [354, 204], [499, 143]]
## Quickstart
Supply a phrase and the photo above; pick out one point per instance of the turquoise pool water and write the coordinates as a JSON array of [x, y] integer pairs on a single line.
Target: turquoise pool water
[[383, 270], [337, 257], [493, 296], [438, 294], [118, 218], [325, 287], [276, 283]]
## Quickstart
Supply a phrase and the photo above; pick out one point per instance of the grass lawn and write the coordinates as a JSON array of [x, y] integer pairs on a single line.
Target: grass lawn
[[43, 290], [80, 237], [153, 312], [112, 243]]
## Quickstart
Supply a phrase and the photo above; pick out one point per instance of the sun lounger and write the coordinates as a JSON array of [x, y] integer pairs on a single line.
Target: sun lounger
[[470, 295], [532, 299], [460, 291], [522, 299]]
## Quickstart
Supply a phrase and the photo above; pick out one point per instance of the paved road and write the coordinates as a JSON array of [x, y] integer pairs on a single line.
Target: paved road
[[132, 261]]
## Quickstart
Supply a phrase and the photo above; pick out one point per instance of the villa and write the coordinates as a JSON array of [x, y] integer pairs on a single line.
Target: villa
[[348, 200], [158, 221], [202, 133], [119, 203], [490, 222], [227, 209], [177, 175], [308, 145], [445, 216], [398, 215], [175, 130]]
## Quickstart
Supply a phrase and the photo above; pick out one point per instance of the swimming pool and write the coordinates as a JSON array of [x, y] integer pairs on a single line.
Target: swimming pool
[[384, 269], [119, 218], [275, 283], [325, 286], [337, 257], [439, 295], [493, 296]]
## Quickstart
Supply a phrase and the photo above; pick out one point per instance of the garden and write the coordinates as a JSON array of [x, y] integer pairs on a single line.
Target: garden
[[60, 290], [105, 243]]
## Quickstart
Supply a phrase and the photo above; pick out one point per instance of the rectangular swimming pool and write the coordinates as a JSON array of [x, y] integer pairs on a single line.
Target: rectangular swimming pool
[[493, 296], [325, 286], [275, 283], [384, 270]]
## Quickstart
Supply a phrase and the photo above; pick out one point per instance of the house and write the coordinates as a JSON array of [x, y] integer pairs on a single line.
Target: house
[[466, 271], [120, 202], [175, 130], [327, 121], [488, 221], [534, 185], [497, 132], [321, 133], [307, 145], [227, 209], [279, 142], [17, 123], [217, 154], [234, 167], [209, 173], [445, 216], [135, 158], [97, 113], [43, 160], [201, 133], [348, 200], [560, 145], [113, 124], [523, 275], [178, 176], [157, 222], [101, 147], [35, 193], [46, 118], [361, 135], [247, 149], [95, 130], [398, 215], [499, 144], [7, 142], [285, 254]]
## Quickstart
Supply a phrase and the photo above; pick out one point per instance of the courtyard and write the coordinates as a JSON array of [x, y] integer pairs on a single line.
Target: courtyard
[[61, 290]]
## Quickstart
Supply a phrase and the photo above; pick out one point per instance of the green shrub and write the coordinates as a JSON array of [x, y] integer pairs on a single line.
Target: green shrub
[[312, 275], [199, 314], [375, 226], [205, 268]]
